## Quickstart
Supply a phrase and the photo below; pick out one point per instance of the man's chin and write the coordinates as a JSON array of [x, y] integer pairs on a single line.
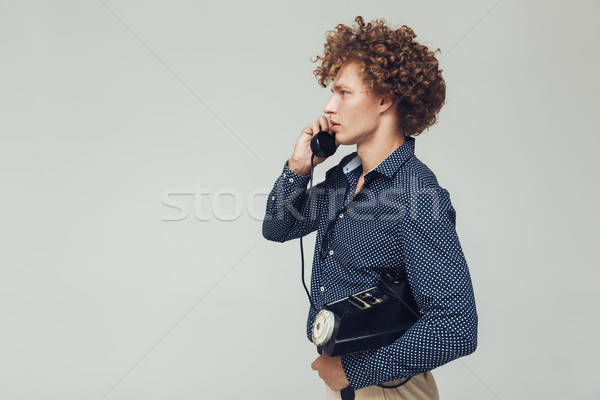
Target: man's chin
[[347, 142], [343, 140]]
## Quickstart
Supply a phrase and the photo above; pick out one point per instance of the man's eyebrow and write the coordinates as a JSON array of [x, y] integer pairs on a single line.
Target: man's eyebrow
[[340, 87]]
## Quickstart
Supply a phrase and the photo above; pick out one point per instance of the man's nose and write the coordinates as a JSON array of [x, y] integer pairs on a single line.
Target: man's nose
[[329, 106]]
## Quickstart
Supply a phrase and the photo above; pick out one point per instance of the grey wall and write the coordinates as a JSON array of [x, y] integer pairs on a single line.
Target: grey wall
[[110, 111]]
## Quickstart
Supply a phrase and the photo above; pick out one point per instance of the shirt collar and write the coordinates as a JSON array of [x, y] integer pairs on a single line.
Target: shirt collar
[[351, 165], [390, 164]]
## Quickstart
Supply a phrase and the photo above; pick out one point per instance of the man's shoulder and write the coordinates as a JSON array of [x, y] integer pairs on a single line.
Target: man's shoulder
[[421, 188], [415, 175]]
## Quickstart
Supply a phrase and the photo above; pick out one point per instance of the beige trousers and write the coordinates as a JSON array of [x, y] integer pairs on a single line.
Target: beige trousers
[[419, 387]]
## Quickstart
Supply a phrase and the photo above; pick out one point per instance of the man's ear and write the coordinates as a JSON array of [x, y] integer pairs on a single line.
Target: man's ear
[[385, 103]]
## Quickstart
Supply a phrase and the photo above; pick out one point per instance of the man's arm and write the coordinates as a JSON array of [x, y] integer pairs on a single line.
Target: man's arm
[[441, 284], [284, 218]]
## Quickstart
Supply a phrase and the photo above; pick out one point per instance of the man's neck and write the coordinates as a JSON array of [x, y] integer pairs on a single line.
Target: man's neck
[[378, 146]]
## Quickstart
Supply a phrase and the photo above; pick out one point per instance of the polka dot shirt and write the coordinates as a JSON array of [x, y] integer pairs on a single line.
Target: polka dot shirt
[[400, 220]]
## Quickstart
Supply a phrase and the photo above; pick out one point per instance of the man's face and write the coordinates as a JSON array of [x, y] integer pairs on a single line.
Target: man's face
[[354, 111]]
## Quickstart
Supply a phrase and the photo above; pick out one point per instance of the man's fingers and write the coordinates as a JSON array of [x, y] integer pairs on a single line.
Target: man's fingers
[[323, 123], [316, 127], [308, 130]]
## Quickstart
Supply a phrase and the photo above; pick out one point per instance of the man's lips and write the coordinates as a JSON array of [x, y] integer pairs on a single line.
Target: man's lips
[[334, 125]]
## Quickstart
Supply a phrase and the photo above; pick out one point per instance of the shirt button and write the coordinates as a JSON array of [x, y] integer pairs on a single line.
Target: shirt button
[[284, 174], [322, 289], [291, 180], [330, 252], [342, 215], [273, 198]]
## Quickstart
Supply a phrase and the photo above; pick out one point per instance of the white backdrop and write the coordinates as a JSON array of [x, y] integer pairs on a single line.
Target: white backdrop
[[112, 112]]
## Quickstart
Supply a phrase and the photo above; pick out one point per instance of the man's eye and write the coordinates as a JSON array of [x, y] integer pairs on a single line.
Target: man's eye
[[343, 92]]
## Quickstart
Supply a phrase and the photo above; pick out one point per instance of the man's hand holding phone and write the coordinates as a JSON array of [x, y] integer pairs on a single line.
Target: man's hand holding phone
[[299, 162]]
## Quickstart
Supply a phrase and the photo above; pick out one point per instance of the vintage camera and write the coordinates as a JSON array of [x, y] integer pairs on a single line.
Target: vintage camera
[[366, 320]]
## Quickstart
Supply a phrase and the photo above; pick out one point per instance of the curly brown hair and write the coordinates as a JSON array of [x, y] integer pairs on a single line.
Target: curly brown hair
[[392, 64]]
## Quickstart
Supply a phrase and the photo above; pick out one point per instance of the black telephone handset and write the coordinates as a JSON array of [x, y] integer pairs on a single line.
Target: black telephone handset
[[323, 144]]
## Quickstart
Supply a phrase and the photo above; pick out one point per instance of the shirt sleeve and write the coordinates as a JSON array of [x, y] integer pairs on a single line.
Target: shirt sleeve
[[440, 281], [286, 217]]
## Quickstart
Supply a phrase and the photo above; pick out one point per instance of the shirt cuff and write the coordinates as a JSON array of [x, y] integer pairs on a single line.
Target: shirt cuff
[[286, 186], [370, 367], [289, 173], [354, 366], [292, 179]]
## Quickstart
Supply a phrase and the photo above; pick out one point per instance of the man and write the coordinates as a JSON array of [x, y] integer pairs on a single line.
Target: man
[[380, 209]]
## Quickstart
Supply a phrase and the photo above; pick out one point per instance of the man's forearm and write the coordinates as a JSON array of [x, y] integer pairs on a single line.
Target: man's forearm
[[283, 218]]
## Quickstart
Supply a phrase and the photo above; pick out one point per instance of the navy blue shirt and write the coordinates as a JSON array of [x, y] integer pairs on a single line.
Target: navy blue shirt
[[400, 220]]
